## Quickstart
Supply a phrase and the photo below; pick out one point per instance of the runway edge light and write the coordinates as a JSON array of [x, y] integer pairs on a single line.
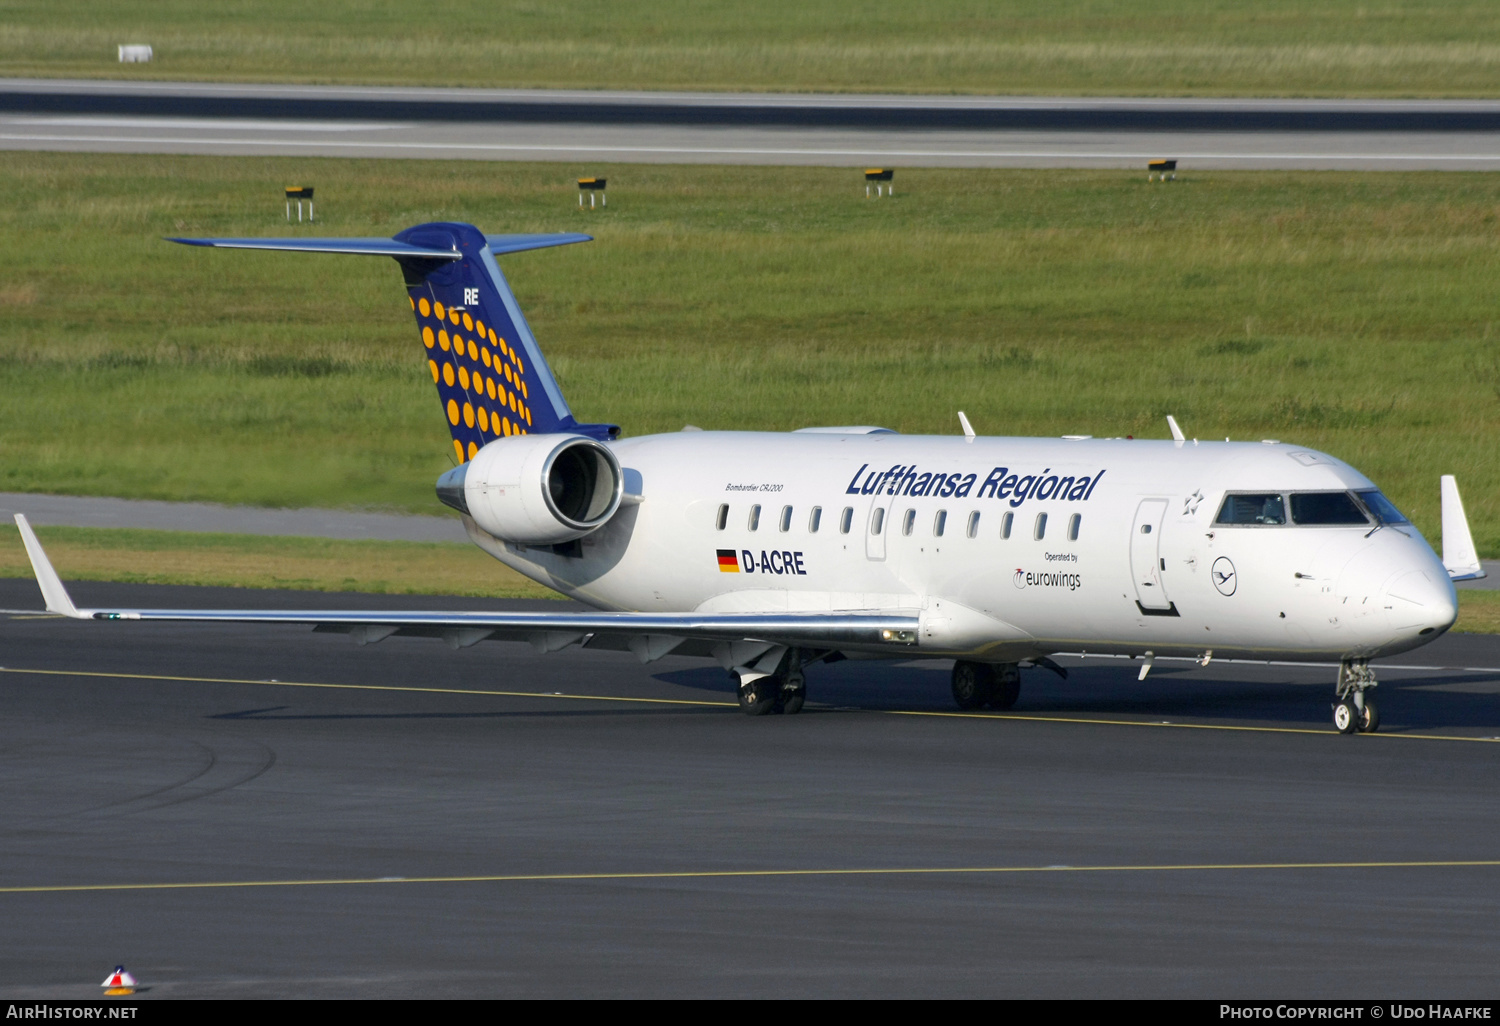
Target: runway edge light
[[119, 983]]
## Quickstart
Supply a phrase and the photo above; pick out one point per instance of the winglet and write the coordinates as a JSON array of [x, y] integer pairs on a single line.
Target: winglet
[[963, 422], [1459, 556], [1177, 435], [53, 591]]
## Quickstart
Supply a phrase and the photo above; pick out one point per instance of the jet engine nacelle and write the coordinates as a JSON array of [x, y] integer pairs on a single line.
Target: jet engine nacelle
[[537, 489]]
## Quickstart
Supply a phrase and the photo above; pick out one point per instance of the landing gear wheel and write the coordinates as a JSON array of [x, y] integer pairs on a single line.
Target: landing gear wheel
[[759, 696], [973, 684], [792, 699], [1345, 717], [1007, 687], [1369, 717]]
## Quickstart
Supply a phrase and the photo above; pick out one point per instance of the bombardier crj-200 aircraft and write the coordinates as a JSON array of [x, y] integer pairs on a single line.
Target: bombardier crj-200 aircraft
[[771, 552]]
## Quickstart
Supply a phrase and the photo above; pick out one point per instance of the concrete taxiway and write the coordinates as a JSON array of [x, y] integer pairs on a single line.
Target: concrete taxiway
[[243, 811], [838, 130]]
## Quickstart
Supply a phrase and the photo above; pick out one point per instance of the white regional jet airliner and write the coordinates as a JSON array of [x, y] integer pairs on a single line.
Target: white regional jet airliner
[[770, 552]]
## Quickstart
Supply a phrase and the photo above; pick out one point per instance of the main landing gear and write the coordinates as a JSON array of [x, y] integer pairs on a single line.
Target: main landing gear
[[784, 691], [1355, 710], [976, 685]]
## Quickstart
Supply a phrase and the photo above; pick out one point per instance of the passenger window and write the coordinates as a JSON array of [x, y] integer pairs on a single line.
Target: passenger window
[[1041, 526], [939, 523], [846, 520], [1262, 509], [786, 518], [723, 519], [1326, 509], [877, 519], [909, 521], [974, 524], [814, 519], [754, 518], [1073, 523], [1005, 523], [1382, 508]]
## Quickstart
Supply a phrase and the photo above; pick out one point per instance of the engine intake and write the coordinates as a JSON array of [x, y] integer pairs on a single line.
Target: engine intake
[[537, 489]]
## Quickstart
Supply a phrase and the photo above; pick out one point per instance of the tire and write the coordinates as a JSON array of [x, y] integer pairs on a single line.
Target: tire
[[1345, 717], [1369, 720], [759, 697], [791, 701], [1006, 688], [973, 684]]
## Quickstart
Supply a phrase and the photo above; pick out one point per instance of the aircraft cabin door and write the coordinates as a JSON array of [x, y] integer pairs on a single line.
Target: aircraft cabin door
[[1145, 554]]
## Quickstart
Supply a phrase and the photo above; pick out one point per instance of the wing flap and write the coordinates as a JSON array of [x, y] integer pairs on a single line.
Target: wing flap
[[895, 628]]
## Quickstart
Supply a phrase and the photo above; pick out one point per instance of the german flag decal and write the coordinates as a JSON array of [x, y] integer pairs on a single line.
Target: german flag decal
[[729, 562]]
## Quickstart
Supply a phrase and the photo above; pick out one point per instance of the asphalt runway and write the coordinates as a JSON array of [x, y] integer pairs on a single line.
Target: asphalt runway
[[854, 131], [237, 811]]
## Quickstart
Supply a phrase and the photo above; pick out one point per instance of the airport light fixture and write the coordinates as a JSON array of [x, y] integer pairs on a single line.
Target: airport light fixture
[[592, 186]]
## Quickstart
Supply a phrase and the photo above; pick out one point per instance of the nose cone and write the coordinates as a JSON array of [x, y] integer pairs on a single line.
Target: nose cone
[[1421, 603]]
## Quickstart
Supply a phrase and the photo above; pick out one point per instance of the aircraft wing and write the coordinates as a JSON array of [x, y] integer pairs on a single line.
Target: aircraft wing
[[649, 635]]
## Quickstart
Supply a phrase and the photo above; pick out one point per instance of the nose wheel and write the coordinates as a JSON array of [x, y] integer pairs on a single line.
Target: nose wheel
[[1355, 711]]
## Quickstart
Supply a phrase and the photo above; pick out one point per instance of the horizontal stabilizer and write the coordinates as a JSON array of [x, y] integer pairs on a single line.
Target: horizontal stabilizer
[[499, 244], [1459, 555], [355, 247]]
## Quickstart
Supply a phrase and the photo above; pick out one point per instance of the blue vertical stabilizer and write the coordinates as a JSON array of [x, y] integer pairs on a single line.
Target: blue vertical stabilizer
[[490, 374]]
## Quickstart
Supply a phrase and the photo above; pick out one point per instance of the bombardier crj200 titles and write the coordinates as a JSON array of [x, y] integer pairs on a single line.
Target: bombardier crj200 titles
[[771, 552]]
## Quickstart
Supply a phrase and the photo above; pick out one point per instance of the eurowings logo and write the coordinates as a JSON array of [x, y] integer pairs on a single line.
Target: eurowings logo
[[1046, 579]]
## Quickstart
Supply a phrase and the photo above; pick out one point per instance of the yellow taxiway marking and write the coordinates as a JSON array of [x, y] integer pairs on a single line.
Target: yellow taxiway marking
[[724, 705], [361, 687], [1322, 732], [712, 874]]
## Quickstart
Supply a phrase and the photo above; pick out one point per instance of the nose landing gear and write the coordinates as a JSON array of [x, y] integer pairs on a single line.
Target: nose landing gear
[[1355, 710]]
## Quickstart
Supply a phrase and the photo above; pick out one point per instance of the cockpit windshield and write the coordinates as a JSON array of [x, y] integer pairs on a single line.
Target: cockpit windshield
[[1307, 509], [1326, 508], [1381, 508], [1252, 509]]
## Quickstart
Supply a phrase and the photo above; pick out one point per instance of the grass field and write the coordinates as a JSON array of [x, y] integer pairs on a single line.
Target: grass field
[[253, 561], [1273, 47], [1352, 312]]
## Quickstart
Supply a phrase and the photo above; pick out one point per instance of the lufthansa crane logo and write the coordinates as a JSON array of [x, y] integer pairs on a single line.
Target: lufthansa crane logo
[[1224, 576]]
